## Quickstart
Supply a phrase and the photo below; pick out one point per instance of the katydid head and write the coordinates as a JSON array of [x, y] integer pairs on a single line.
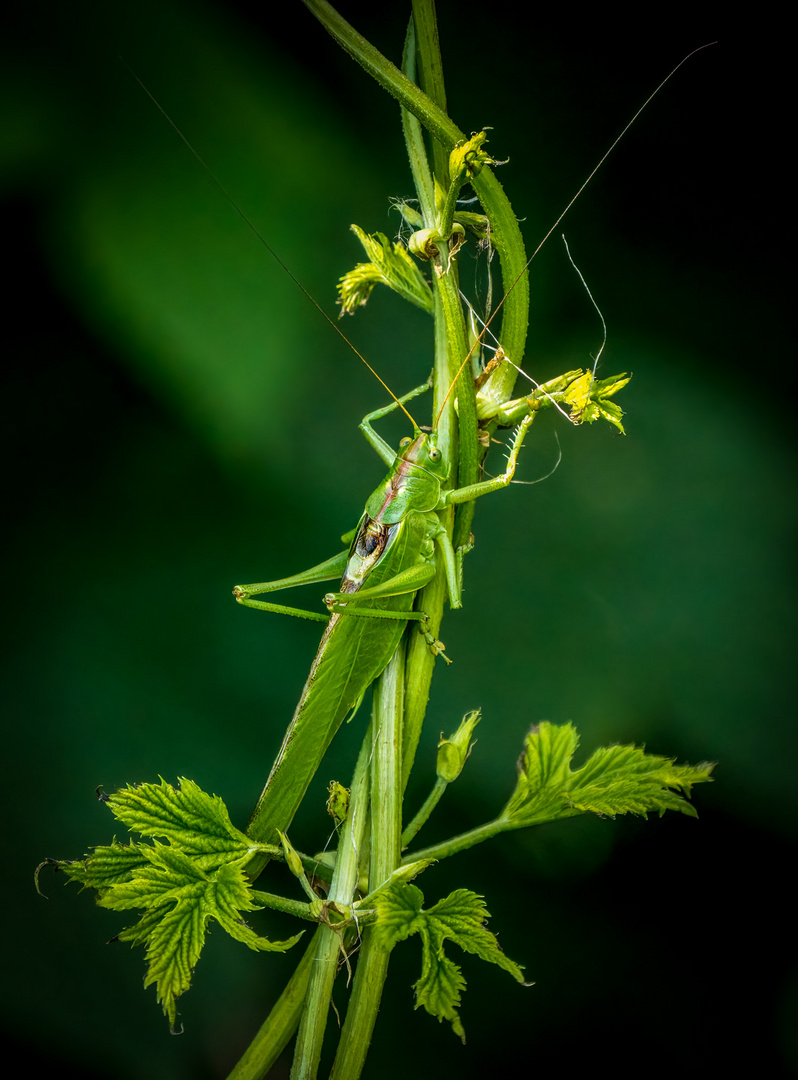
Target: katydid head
[[423, 450]]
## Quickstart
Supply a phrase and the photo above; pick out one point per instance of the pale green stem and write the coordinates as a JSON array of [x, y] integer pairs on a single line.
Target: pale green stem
[[279, 1026], [459, 843], [414, 136], [485, 832], [296, 908], [422, 816], [307, 1053], [386, 770], [431, 75], [386, 825]]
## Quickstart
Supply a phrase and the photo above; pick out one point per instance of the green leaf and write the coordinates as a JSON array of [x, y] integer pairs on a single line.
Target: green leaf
[[179, 899], [439, 990], [187, 817], [625, 779], [389, 265], [460, 918], [179, 886], [543, 771], [398, 913], [106, 866], [463, 915], [614, 780]]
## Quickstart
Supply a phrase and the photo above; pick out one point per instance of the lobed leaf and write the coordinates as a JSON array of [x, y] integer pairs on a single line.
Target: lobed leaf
[[614, 780], [460, 918], [179, 886], [186, 816], [389, 264]]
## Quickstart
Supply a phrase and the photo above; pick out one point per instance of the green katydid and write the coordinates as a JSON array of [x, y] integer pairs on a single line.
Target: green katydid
[[393, 554]]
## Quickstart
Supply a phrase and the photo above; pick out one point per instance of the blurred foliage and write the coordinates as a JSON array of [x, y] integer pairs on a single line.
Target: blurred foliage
[[178, 418]]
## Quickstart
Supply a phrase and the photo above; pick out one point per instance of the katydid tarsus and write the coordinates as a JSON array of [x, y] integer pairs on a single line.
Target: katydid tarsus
[[401, 543]]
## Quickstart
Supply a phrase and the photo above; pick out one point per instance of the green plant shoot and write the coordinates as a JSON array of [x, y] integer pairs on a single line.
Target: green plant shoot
[[191, 866]]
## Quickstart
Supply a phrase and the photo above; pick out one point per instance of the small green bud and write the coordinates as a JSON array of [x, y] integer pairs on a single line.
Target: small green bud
[[337, 802], [413, 218], [292, 859], [422, 243], [453, 752]]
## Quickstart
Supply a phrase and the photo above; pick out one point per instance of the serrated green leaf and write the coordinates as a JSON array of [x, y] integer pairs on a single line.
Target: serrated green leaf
[[625, 779], [463, 915], [389, 264], [543, 771], [179, 886], [460, 918], [614, 780], [439, 989], [398, 907], [187, 817], [179, 899], [106, 866]]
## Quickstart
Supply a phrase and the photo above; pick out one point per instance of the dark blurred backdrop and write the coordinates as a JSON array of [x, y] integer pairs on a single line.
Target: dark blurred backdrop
[[178, 418]]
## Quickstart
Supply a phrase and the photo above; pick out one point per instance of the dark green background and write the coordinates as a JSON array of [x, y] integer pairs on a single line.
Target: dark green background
[[178, 418]]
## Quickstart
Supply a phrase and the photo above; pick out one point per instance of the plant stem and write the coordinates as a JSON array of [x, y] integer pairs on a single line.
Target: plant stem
[[297, 908], [505, 233], [414, 136], [422, 816], [386, 825], [459, 843], [307, 1053], [431, 74], [279, 1026], [481, 833]]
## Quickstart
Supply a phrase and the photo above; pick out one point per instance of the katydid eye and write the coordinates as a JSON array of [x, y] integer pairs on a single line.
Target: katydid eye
[[406, 441], [434, 454]]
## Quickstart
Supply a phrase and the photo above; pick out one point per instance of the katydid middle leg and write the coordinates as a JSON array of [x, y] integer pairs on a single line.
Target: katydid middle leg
[[329, 570]]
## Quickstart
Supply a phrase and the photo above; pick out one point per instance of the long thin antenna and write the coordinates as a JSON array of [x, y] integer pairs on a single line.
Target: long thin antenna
[[265, 242], [568, 206]]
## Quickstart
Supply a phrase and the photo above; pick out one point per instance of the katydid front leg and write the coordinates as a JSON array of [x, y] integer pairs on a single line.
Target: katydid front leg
[[484, 487]]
